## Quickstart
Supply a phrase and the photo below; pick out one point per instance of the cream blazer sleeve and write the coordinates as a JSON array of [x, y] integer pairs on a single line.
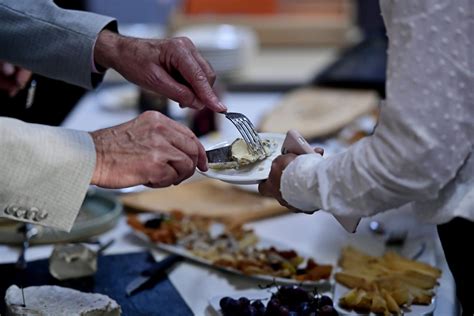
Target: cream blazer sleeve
[[44, 172], [56, 43]]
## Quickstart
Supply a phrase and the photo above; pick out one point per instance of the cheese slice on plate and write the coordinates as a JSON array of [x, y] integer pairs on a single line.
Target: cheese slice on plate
[[58, 301]]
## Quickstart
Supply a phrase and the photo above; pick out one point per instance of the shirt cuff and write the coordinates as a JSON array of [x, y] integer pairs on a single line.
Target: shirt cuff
[[93, 66], [299, 185], [112, 26]]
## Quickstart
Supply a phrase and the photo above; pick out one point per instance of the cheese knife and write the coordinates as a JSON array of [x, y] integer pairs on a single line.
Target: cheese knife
[[152, 275]]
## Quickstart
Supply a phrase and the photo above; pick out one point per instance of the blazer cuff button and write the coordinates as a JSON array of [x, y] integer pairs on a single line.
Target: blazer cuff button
[[31, 213], [41, 215], [20, 212], [10, 210]]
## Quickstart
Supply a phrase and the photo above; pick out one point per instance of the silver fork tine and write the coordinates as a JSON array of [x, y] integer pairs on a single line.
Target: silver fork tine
[[247, 130], [244, 134], [258, 142]]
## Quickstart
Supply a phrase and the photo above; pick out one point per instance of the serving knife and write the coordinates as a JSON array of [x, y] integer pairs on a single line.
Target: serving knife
[[219, 155], [152, 275]]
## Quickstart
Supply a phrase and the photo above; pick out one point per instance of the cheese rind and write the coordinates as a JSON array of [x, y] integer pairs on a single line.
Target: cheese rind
[[58, 301]]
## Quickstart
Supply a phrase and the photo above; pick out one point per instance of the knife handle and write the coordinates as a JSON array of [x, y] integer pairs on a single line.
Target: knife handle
[[295, 143], [161, 266]]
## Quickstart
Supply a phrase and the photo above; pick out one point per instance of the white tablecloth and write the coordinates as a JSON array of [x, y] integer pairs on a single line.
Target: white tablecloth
[[318, 235]]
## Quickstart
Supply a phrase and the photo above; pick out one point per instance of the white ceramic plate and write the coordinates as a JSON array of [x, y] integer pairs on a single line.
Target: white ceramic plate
[[252, 174]]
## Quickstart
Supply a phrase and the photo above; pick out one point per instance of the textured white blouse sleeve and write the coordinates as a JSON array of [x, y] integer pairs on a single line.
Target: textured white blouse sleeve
[[424, 138]]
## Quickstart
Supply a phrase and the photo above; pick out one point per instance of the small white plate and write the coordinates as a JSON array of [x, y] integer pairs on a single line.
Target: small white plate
[[253, 174]]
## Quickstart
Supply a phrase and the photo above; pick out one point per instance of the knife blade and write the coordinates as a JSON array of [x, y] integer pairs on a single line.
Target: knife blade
[[219, 155], [152, 275], [295, 143]]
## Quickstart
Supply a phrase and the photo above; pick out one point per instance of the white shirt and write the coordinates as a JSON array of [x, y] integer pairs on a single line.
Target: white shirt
[[421, 153]]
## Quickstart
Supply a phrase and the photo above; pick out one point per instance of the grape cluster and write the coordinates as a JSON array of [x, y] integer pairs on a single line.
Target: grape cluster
[[289, 300]]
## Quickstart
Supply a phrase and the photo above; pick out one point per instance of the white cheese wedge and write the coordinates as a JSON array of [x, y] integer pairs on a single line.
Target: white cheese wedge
[[58, 301], [241, 156]]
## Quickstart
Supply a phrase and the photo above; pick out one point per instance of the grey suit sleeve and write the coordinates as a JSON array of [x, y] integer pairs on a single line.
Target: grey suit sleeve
[[44, 172], [48, 40]]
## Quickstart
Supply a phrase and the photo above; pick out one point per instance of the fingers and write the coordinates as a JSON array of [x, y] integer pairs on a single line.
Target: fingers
[[173, 89], [7, 78], [8, 84], [183, 165], [7, 69], [202, 158], [197, 74], [12, 78], [22, 77], [166, 177], [206, 67], [265, 188], [191, 146], [188, 143], [271, 187]]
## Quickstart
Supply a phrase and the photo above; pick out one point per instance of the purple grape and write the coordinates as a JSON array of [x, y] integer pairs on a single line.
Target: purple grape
[[284, 311], [325, 300], [259, 307], [244, 302], [227, 302], [292, 295], [273, 307], [251, 311], [328, 310], [304, 309]]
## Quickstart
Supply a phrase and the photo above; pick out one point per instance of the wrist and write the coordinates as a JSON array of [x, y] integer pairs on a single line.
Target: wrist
[[299, 184], [106, 49], [98, 170]]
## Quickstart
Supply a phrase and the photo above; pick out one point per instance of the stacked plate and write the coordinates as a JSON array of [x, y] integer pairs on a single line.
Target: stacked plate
[[226, 47]]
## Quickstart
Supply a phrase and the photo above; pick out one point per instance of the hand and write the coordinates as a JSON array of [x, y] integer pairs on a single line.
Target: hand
[[13, 78], [271, 186], [152, 150], [171, 67]]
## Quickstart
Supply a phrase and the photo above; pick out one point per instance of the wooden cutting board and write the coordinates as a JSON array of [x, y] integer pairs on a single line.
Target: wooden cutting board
[[209, 198], [318, 112]]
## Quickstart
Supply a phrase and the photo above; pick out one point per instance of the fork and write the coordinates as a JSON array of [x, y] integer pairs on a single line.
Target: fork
[[248, 132]]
